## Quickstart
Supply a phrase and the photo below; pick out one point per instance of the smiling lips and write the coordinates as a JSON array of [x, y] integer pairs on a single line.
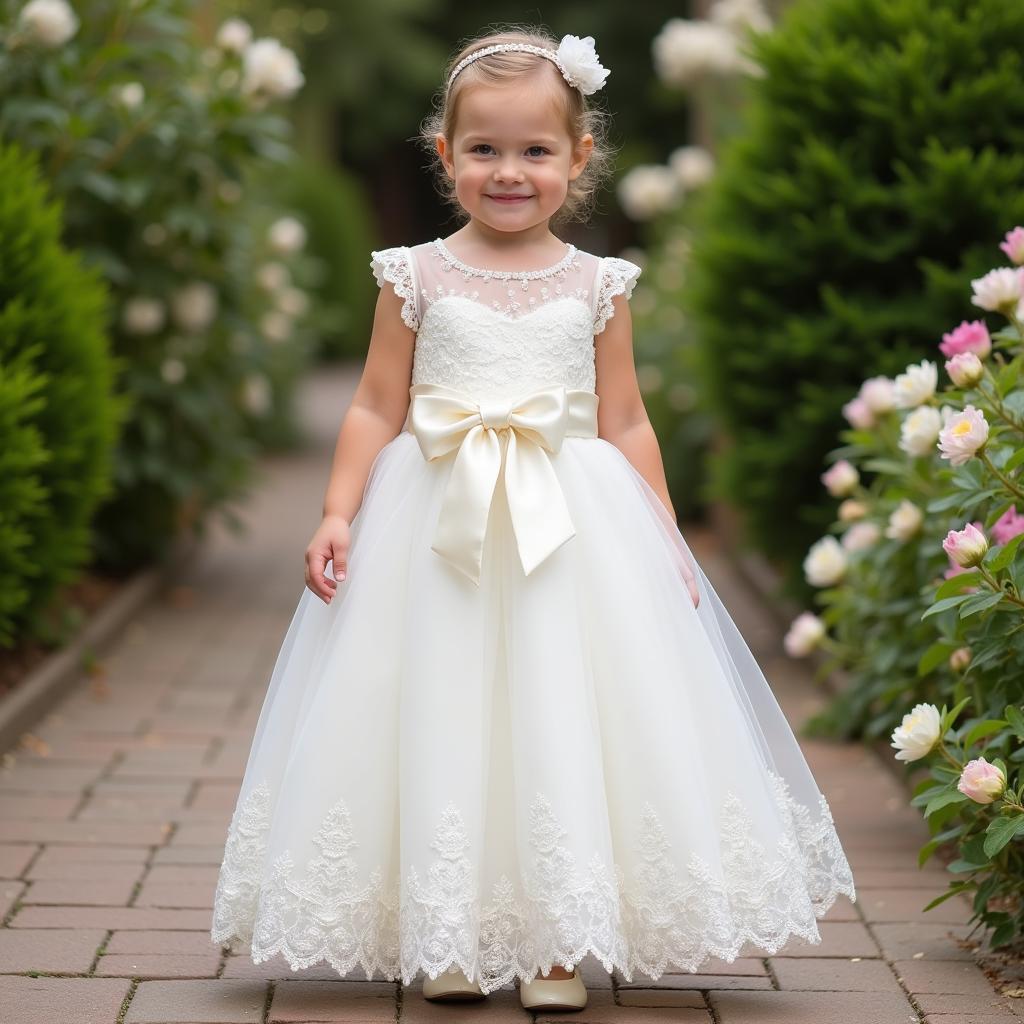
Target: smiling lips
[[507, 197]]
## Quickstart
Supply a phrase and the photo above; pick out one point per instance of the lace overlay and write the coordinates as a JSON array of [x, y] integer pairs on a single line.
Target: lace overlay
[[556, 912], [499, 331]]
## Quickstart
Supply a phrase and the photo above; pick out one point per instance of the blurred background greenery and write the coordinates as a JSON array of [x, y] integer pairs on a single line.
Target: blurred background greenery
[[806, 185]]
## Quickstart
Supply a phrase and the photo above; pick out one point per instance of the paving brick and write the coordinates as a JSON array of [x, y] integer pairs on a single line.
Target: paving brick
[[838, 938], [109, 917], [150, 965], [940, 1002], [50, 869], [824, 974], [198, 1002], [917, 940], [81, 892], [85, 832], [907, 904], [971, 1018], [194, 943], [15, 857], [98, 854], [52, 808], [306, 1002], [936, 976], [600, 1009], [54, 950], [176, 894], [812, 1008], [27, 1000], [10, 891]]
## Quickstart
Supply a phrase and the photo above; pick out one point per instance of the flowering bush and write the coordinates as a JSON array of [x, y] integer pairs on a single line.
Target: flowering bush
[[970, 800], [149, 137], [922, 593]]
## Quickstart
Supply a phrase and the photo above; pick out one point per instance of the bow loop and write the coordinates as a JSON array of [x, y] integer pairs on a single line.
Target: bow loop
[[491, 437]]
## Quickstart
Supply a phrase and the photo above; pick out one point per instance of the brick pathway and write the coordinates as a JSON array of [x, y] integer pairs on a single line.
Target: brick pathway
[[112, 823]]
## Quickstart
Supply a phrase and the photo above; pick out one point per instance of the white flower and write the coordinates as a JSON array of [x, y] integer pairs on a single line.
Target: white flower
[[851, 510], [879, 393], [916, 384], [130, 95], [194, 306], [841, 478], [143, 315], [904, 521], [693, 166], [825, 563], [965, 369], [257, 394], [287, 235], [276, 326], [647, 190], [737, 15], [920, 430], [861, 536], [50, 23], [685, 51], [805, 633], [963, 435], [918, 733], [999, 290], [172, 370], [234, 35], [272, 69], [273, 276], [293, 301], [580, 59]]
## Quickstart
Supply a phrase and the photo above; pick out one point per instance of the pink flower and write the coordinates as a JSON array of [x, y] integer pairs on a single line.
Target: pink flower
[[963, 436], [1013, 245], [859, 414], [965, 369], [1007, 526], [966, 547], [968, 337], [841, 479], [981, 781]]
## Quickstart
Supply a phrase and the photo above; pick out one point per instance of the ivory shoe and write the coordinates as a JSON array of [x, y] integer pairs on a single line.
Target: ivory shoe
[[452, 984], [553, 993]]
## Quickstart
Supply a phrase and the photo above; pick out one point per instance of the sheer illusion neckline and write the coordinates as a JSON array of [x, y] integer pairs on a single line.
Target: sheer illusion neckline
[[452, 260]]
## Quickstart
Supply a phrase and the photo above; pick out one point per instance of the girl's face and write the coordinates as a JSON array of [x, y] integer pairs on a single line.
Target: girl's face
[[512, 141]]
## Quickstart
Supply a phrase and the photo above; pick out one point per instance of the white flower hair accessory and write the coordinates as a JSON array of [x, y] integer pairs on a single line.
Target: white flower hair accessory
[[575, 58]]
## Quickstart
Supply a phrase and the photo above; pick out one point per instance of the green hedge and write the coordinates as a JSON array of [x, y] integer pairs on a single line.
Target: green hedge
[[58, 415], [883, 150]]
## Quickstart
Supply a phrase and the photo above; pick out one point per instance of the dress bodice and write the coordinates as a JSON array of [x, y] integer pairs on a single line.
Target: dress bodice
[[501, 332]]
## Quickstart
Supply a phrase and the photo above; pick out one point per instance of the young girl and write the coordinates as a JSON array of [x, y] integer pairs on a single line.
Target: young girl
[[515, 725]]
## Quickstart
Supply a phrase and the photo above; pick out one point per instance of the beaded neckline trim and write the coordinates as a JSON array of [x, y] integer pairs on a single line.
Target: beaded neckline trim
[[504, 275]]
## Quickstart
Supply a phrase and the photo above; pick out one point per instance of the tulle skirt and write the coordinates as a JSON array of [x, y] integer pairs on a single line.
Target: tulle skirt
[[512, 776]]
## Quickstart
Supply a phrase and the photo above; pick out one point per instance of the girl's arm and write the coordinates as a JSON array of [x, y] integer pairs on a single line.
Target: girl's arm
[[374, 417], [621, 414]]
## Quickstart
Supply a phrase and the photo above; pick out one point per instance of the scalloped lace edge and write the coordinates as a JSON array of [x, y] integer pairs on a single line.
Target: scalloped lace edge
[[393, 265], [618, 276], [563, 911]]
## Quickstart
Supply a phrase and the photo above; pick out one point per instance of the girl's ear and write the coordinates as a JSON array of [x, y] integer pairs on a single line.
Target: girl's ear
[[444, 152], [581, 155]]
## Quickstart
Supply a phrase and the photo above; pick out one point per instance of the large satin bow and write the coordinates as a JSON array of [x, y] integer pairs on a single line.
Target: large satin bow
[[511, 433]]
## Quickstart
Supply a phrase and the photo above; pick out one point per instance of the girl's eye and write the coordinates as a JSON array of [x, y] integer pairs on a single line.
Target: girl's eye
[[541, 148], [530, 150], [481, 145]]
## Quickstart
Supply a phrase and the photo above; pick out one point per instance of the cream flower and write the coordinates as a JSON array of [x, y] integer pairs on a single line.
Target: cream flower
[[861, 536], [693, 166], [879, 393], [647, 190], [965, 369], [966, 547], [981, 781], [920, 430], [999, 290], [851, 510], [287, 235], [825, 563], [271, 69], [916, 384], [904, 521], [194, 306], [50, 23], [841, 478], [143, 315], [918, 733], [805, 633], [580, 60], [963, 436], [685, 51], [234, 35]]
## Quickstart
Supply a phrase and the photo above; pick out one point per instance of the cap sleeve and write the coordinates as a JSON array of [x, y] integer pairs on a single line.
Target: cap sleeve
[[617, 277], [395, 265]]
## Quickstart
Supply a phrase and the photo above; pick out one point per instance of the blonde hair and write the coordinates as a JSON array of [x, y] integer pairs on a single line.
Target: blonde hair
[[511, 66]]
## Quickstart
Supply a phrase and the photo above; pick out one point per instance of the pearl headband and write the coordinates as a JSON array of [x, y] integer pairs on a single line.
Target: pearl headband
[[575, 58]]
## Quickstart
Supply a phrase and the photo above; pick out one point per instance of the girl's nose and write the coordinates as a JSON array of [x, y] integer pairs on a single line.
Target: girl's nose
[[509, 170]]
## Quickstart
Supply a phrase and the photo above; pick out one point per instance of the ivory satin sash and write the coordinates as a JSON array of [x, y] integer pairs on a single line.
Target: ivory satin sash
[[491, 436]]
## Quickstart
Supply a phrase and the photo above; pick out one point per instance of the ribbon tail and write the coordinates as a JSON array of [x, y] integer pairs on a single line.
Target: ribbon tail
[[465, 508], [540, 516]]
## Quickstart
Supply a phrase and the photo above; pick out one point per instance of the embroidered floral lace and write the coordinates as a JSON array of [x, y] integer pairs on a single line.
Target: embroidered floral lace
[[557, 912]]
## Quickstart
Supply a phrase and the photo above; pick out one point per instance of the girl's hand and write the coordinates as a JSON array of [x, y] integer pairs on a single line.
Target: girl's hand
[[691, 585], [329, 543]]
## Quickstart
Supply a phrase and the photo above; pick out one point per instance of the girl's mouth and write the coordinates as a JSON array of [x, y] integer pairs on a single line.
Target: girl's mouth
[[508, 199]]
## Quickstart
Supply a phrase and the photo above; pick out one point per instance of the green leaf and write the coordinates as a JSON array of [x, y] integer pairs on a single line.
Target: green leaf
[[980, 603], [982, 729], [956, 583], [946, 603], [955, 887], [943, 800], [1006, 553], [1015, 719], [1000, 831]]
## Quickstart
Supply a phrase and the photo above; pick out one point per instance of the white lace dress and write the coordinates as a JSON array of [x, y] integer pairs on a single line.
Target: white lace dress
[[511, 739]]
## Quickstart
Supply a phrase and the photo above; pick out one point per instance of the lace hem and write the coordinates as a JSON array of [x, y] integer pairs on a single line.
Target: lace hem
[[560, 912], [395, 265], [618, 276]]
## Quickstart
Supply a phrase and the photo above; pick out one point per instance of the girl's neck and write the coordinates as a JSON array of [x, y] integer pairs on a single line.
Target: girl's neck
[[486, 246]]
